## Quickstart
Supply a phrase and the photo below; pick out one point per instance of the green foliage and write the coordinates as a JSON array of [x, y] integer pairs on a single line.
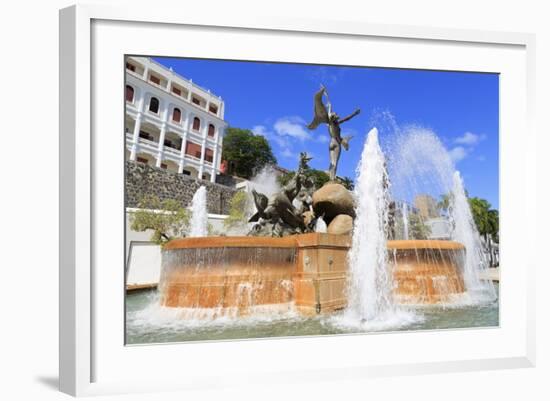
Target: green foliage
[[486, 219], [167, 219], [445, 203], [417, 228], [347, 182], [248, 152], [319, 178], [237, 210]]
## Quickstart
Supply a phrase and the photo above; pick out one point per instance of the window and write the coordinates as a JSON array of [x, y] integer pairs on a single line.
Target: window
[[142, 160], [211, 130], [130, 67], [129, 94], [186, 172], [176, 115], [146, 135], [195, 100], [163, 165], [213, 108], [154, 105], [171, 144], [196, 124], [193, 149], [209, 155], [177, 91], [154, 79]]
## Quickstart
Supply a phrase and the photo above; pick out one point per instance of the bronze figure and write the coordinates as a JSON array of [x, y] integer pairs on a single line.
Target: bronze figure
[[333, 120]]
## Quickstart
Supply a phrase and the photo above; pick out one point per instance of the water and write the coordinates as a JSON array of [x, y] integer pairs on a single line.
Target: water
[[420, 165], [320, 226], [465, 232], [370, 276], [147, 322], [405, 213], [265, 181], [199, 218]]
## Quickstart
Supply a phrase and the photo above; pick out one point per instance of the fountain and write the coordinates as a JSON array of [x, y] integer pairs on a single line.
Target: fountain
[[199, 216], [405, 213], [466, 233], [421, 164], [370, 279], [320, 226], [292, 260]]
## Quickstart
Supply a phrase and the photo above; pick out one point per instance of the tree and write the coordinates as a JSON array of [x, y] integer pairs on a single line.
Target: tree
[[319, 178], [487, 222], [445, 203], [417, 228], [480, 212], [237, 211], [248, 153], [167, 219]]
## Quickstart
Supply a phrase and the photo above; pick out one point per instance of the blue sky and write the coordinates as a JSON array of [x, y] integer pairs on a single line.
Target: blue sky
[[276, 100]]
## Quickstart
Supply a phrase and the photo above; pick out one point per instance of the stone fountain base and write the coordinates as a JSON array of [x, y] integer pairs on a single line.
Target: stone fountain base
[[237, 275]]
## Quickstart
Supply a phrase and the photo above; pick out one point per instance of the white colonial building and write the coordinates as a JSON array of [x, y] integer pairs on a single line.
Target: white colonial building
[[171, 122]]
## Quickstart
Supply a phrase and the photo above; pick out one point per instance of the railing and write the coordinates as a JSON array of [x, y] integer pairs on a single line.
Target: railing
[[171, 150], [134, 73], [188, 100], [148, 143]]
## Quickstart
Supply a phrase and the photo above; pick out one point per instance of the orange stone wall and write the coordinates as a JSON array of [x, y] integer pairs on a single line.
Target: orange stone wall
[[308, 270]]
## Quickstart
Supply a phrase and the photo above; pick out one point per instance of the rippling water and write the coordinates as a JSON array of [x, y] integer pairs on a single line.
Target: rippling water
[[146, 322]]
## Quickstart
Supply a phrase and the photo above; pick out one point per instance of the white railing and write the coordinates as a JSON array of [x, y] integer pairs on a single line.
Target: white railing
[[134, 73], [187, 100], [148, 143], [173, 151]]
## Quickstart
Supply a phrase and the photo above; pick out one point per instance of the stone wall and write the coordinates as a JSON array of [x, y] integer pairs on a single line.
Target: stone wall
[[143, 180]]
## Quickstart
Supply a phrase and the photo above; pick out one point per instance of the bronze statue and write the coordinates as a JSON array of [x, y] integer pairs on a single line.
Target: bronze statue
[[322, 115], [278, 215]]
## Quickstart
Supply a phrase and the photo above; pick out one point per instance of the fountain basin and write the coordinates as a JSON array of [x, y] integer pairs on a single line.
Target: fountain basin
[[307, 272], [426, 271]]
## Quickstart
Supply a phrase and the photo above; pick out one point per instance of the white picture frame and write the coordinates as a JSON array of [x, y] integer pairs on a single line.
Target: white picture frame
[[93, 358]]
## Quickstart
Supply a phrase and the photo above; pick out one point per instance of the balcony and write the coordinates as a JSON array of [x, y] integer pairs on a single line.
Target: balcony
[[135, 73], [172, 150]]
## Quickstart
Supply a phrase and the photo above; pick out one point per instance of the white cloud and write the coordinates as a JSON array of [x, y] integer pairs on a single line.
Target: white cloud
[[270, 136], [470, 139], [323, 139], [289, 154], [286, 133], [260, 130], [458, 153], [293, 127]]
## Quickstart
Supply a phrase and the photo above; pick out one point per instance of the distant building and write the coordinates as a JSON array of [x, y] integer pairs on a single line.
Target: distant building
[[440, 228], [171, 122], [426, 206]]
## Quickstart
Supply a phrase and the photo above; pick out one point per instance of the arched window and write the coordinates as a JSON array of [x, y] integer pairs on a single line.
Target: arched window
[[211, 130], [154, 105], [176, 115], [129, 94], [196, 124]]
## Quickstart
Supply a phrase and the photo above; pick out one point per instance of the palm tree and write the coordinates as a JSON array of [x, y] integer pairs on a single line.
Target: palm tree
[[445, 203], [487, 222]]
